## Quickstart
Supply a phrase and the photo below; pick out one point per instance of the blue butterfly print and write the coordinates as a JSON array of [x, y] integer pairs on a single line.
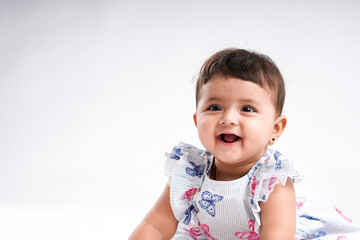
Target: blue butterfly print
[[262, 198], [174, 156], [319, 234], [252, 171], [277, 154], [208, 202], [278, 165], [198, 170], [178, 151], [188, 215], [277, 160], [309, 217]]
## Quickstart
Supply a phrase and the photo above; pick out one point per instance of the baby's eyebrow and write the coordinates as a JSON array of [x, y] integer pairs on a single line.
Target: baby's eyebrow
[[241, 100], [213, 99], [248, 100]]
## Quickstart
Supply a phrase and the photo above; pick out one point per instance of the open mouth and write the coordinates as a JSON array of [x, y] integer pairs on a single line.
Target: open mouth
[[228, 138]]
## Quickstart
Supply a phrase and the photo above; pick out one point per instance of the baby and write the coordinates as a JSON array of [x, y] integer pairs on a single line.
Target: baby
[[238, 188]]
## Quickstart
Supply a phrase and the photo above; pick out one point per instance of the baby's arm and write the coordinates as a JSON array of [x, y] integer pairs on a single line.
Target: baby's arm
[[159, 223], [278, 213]]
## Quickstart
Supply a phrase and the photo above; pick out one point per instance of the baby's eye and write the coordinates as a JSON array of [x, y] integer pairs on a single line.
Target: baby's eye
[[214, 107], [248, 109]]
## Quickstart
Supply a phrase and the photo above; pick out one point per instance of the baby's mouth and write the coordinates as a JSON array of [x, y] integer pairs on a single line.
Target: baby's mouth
[[229, 138]]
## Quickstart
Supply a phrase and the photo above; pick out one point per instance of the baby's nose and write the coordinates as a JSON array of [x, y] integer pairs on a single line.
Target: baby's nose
[[230, 117]]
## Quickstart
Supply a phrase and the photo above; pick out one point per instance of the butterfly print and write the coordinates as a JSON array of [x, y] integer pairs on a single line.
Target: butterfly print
[[309, 217], [174, 156], [277, 160], [188, 214], [197, 230], [197, 171], [299, 205], [346, 218], [262, 198], [277, 154], [188, 195], [178, 151], [319, 234], [254, 184], [194, 230], [206, 230], [208, 202], [272, 182], [249, 235], [278, 165]]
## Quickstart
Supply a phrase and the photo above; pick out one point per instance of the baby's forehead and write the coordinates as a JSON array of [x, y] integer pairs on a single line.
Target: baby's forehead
[[217, 84], [234, 86], [225, 81]]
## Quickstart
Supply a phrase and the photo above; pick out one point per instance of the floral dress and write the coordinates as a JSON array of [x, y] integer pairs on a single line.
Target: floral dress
[[209, 209]]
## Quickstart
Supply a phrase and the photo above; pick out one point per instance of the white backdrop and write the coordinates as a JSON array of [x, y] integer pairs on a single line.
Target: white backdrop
[[92, 93]]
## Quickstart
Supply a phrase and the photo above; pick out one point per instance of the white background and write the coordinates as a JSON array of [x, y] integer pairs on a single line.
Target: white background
[[92, 93]]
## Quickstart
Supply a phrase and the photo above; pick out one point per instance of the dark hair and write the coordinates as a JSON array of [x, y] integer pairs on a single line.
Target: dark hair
[[245, 65]]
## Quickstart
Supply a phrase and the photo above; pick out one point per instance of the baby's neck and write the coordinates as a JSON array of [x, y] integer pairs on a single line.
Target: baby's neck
[[222, 172]]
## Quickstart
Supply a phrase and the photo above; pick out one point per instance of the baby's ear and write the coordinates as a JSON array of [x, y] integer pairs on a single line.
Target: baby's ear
[[195, 119], [279, 126]]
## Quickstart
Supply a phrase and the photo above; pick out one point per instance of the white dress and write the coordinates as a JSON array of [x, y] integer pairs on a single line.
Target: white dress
[[209, 209]]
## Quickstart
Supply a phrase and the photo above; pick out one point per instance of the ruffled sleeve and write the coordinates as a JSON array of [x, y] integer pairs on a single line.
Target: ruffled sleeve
[[185, 167], [273, 168]]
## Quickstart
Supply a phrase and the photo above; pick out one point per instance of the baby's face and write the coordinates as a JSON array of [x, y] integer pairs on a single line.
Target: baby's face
[[235, 120]]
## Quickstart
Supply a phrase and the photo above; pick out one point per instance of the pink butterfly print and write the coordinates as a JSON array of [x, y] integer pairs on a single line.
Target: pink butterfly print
[[273, 181], [206, 230], [197, 230], [346, 218], [189, 194], [249, 235], [194, 230], [254, 184], [342, 238], [299, 205]]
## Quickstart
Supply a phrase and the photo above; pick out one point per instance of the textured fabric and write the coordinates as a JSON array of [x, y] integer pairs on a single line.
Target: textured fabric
[[208, 209]]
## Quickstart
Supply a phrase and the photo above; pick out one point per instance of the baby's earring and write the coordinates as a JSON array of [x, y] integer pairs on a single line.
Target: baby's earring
[[272, 142]]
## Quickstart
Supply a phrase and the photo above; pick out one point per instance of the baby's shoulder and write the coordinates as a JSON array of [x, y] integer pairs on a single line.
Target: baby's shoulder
[[185, 167], [187, 161], [272, 169]]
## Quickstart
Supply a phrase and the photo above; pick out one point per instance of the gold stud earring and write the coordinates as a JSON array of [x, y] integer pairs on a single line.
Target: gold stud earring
[[272, 142]]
